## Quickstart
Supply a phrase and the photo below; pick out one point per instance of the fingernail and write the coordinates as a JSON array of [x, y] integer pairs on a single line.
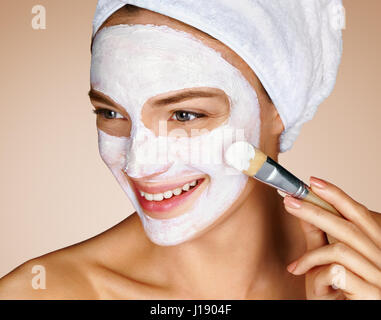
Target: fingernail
[[321, 184], [292, 266], [292, 202]]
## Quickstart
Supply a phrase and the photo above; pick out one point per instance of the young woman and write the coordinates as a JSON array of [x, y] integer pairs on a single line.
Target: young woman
[[200, 230]]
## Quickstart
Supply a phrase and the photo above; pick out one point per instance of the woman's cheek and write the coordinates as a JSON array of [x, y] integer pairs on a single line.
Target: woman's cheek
[[113, 150]]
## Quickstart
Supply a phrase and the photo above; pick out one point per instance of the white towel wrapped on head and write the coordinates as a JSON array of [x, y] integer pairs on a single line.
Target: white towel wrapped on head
[[293, 46]]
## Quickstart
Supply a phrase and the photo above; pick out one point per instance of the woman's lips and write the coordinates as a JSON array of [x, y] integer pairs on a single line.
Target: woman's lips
[[158, 187], [165, 205]]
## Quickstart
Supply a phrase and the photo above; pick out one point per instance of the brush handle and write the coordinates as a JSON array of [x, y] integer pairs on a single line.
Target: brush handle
[[315, 199], [272, 173]]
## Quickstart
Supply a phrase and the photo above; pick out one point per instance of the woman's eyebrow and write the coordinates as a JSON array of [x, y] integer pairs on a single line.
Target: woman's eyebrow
[[95, 95], [174, 98], [177, 97], [99, 97]]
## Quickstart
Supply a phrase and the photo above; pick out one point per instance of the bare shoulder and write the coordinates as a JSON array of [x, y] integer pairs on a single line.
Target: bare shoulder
[[80, 271], [56, 275]]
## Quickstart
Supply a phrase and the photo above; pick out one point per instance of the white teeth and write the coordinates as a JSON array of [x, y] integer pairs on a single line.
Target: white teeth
[[158, 197], [168, 194], [177, 191], [148, 196]]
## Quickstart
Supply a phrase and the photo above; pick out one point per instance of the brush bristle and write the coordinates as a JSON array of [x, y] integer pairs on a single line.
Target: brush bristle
[[244, 157], [239, 154]]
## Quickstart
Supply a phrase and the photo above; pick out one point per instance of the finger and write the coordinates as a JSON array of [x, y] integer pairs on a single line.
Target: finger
[[329, 294], [343, 255], [314, 237], [341, 229], [336, 276], [348, 207]]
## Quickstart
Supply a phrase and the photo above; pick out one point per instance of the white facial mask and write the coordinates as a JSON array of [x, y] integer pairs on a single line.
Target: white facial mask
[[132, 63]]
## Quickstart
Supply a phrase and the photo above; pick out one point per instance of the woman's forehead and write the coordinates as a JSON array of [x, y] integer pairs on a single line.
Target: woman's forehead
[[149, 60], [134, 15]]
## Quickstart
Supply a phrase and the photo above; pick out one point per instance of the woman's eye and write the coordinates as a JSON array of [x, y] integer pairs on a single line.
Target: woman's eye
[[186, 116], [108, 114]]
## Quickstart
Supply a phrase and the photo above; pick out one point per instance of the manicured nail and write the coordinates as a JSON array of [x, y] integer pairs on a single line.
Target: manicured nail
[[321, 184], [292, 202], [292, 266]]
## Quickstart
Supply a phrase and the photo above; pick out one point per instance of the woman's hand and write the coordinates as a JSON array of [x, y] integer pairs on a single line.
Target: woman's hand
[[350, 268]]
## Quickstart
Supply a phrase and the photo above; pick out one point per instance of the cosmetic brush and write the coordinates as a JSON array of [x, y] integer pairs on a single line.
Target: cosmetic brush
[[254, 163]]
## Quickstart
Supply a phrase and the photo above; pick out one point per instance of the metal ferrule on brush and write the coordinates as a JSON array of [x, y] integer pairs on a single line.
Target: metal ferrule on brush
[[275, 175]]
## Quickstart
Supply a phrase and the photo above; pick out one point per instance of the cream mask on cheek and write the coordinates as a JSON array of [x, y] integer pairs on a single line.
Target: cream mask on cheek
[[132, 63]]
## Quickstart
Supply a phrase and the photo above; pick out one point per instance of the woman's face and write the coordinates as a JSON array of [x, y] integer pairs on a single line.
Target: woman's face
[[167, 107]]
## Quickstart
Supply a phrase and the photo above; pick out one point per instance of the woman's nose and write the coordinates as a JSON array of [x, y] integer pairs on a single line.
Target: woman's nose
[[144, 157]]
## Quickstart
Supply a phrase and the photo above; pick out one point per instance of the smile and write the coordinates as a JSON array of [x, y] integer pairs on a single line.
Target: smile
[[169, 193], [167, 198]]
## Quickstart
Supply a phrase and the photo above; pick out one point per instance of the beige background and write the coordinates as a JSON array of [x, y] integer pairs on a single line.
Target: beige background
[[55, 190]]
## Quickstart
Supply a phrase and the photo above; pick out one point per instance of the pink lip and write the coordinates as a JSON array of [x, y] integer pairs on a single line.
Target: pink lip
[[164, 205], [159, 188]]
